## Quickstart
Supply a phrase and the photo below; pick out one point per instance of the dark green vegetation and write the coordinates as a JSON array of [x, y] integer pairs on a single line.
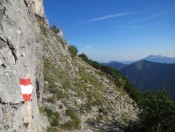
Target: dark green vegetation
[[55, 29], [147, 75], [75, 121], [42, 24], [115, 65], [157, 115], [53, 117], [52, 74], [116, 76], [73, 50]]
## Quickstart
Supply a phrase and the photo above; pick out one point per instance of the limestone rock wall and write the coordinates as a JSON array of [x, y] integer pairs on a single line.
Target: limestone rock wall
[[36, 5], [19, 43], [39, 7]]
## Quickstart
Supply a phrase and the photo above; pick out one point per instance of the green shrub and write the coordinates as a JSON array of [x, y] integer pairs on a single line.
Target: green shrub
[[48, 111], [103, 111], [95, 119], [42, 110], [53, 129], [53, 75], [60, 94], [42, 23], [157, 115], [52, 116], [91, 78], [74, 123], [70, 112], [53, 99], [43, 29], [99, 99], [91, 120], [69, 125], [99, 117], [55, 29], [73, 50], [88, 107], [84, 57]]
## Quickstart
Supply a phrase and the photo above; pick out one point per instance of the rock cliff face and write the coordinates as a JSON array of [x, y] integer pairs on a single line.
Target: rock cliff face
[[19, 58], [36, 5]]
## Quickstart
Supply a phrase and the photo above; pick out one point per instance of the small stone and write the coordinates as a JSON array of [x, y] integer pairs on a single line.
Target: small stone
[[18, 32]]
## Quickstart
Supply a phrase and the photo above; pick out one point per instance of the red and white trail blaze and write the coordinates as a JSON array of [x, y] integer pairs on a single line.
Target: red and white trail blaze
[[26, 89]]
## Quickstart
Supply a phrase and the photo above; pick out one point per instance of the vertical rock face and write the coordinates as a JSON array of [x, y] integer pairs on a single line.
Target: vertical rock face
[[19, 59], [37, 6]]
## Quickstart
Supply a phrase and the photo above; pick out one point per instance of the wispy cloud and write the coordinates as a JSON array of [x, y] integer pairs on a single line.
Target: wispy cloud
[[107, 17], [150, 17], [86, 48]]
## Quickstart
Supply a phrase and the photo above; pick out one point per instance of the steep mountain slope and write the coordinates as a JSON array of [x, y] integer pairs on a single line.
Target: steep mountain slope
[[149, 75], [115, 65], [78, 96]]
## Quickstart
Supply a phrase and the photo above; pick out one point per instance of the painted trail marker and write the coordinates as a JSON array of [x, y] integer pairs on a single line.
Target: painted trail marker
[[26, 89]]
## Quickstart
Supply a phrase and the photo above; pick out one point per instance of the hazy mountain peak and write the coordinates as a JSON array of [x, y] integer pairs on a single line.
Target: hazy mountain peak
[[155, 56], [160, 59]]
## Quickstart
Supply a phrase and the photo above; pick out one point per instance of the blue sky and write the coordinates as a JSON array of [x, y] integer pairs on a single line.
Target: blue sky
[[116, 30]]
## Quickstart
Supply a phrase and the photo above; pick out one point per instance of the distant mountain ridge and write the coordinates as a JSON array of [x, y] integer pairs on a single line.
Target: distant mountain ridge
[[115, 64], [150, 73], [146, 75], [153, 58], [160, 59]]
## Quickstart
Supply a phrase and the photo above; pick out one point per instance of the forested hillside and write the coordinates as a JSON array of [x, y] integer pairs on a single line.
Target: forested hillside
[[147, 75]]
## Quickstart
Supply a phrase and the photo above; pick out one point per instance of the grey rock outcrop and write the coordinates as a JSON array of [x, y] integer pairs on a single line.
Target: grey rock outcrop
[[19, 41], [37, 6]]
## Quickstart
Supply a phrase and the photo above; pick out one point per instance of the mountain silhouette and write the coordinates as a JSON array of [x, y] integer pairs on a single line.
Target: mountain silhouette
[[146, 75]]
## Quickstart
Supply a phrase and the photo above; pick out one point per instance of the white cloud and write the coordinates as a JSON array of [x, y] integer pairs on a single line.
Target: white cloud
[[150, 17], [107, 17], [88, 47], [85, 49]]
